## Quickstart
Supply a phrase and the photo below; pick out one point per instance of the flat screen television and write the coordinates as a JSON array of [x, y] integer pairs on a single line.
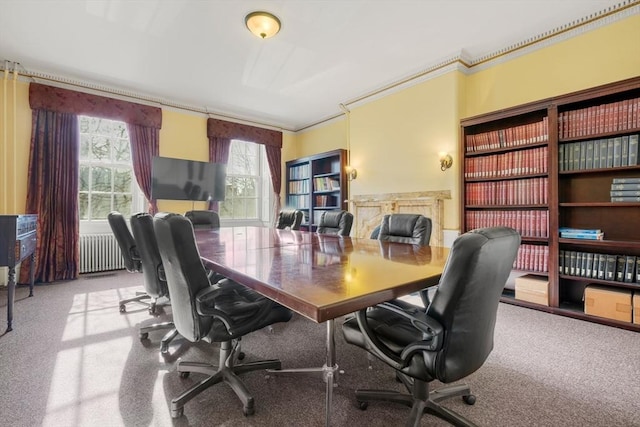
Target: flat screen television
[[181, 179]]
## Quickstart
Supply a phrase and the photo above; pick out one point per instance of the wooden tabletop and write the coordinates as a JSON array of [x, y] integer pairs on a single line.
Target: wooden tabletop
[[319, 276]]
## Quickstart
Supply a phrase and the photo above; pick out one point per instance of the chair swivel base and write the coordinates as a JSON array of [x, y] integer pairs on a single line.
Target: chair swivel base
[[422, 401], [140, 299], [143, 333], [225, 371]]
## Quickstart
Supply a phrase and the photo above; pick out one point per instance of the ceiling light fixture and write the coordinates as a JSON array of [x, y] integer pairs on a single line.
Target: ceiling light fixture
[[262, 24]]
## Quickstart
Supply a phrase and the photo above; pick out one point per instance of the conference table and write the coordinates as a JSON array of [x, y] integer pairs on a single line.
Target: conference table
[[319, 276]]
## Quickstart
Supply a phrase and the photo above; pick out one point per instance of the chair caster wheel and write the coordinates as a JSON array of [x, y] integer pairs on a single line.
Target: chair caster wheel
[[143, 335], [177, 413], [123, 309], [469, 399], [184, 374], [363, 405], [241, 355], [248, 411]]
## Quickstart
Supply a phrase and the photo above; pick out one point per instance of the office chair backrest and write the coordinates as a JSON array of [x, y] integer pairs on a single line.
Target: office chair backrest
[[184, 271], [125, 241], [335, 222], [203, 219], [145, 237], [405, 228], [291, 218], [466, 301]]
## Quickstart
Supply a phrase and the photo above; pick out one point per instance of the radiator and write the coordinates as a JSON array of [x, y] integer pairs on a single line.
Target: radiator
[[99, 252]]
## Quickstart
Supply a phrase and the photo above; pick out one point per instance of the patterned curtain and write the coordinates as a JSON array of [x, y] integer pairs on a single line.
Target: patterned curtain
[[274, 158], [145, 144], [218, 153], [52, 194]]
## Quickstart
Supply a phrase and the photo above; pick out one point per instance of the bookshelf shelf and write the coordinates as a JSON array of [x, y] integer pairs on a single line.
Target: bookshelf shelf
[[323, 188], [571, 133]]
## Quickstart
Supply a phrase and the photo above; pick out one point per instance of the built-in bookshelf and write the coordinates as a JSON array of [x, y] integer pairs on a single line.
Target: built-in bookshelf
[[316, 184], [566, 162]]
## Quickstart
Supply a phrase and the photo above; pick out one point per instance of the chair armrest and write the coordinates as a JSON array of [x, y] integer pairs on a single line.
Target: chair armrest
[[205, 305], [432, 333]]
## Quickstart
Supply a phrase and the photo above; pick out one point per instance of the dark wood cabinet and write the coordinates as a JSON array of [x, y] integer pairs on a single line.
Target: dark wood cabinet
[[591, 143], [316, 184], [17, 242]]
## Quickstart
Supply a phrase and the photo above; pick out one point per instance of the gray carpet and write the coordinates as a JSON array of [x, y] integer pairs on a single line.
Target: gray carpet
[[74, 360]]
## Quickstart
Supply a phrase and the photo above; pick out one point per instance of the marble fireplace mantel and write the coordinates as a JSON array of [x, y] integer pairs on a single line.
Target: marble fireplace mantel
[[368, 210]]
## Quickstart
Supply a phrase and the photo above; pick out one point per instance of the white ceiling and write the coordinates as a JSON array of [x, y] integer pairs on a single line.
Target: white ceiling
[[198, 53]]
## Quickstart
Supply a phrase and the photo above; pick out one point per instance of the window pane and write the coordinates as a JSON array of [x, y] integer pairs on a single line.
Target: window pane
[[226, 209], [101, 179], [83, 205], [122, 152], [122, 204], [100, 205], [252, 208], [100, 148], [85, 145], [122, 179], [238, 208], [84, 178]]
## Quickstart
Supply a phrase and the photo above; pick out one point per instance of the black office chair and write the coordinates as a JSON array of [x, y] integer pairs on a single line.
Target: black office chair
[[405, 228], [155, 282], [449, 340], [203, 219], [289, 218], [223, 312], [409, 228], [132, 261], [335, 222]]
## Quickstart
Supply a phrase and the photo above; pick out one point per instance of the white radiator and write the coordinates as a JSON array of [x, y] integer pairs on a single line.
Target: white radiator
[[99, 252]]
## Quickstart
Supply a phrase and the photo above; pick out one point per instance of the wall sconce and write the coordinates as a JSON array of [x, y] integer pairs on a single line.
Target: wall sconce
[[445, 161], [352, 173]]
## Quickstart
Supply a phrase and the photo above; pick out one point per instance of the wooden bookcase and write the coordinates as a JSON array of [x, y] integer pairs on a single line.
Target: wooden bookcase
[[316, 184], [533, 167]]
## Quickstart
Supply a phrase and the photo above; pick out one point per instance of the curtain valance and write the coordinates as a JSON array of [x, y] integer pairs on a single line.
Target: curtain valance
[[230, 130], [68, 101]]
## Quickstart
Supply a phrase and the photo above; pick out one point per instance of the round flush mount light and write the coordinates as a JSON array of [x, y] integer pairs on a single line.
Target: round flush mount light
[[262, 24]]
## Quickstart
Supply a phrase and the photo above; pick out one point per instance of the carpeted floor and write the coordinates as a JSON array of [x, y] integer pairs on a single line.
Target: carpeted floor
[[74, 360]]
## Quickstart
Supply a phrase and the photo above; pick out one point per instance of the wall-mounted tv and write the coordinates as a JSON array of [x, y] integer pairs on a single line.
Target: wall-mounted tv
[[180, 179]]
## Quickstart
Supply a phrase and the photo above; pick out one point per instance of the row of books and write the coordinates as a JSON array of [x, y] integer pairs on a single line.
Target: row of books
[[599, 153], [296, 187], [326, 201], [581, 233], [326, 184], [513, 163], [625, 190], [298, 201], [532, 191], [510, 137], [611, 117], [300, 172], [529, 223], [616, 268], [532, 258]]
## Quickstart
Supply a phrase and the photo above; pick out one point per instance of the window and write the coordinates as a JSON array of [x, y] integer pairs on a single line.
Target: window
[[107, 181], [248, 186]]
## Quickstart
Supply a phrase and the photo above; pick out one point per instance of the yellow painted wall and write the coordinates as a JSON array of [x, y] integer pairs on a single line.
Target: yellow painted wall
[[15, 137], [183, 136], [326, 137], [601, 56]]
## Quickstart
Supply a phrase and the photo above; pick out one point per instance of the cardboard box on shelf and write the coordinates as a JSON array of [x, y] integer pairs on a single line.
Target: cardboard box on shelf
[[532, 289], [636, 308], [607, 302]]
